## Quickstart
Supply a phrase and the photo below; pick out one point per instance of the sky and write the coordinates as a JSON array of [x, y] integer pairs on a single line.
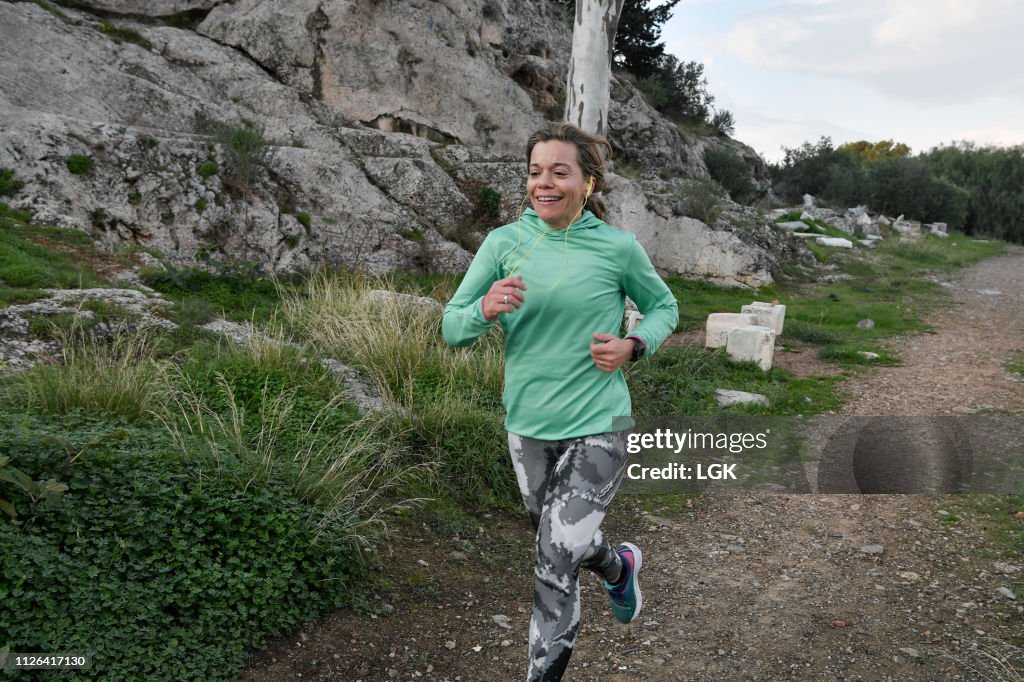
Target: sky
[[921, 72]]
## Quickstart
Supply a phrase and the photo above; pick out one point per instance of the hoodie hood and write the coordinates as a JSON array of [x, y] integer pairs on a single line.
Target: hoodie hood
[[586, 221]]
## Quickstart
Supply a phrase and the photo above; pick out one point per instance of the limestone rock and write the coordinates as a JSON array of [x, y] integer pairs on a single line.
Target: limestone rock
[[725, 398], [752, 343], [683, 245], [134, 310], [771, 315], [431, 69], [720, 325], [383, 127], [838, 242]]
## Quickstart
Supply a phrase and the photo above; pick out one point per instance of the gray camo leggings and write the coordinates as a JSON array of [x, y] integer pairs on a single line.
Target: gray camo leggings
[[566, 486]]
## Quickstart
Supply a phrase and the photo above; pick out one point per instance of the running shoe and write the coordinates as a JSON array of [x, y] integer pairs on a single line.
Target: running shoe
[[626, 598]]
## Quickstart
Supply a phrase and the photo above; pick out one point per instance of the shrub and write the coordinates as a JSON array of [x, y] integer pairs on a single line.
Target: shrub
[[79, 164], [724, 122], [304, 220], [731, 172], [704, 201], [245, 152], [9, 185], [178, 573], [489, 202], [208, 169]]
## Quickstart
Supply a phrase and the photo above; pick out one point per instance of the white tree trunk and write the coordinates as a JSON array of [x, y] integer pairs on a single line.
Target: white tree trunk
[[590, 67]]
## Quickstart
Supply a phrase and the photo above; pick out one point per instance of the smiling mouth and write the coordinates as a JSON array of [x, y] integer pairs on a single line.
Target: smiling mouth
[[548, 200]]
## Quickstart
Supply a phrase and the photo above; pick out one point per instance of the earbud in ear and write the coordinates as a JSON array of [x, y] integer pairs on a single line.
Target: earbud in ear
[[590, 186]]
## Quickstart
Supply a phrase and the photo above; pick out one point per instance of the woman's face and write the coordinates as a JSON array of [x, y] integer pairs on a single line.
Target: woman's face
[[556, 185]]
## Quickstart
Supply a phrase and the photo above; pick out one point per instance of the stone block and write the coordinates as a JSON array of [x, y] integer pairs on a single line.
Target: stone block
[[808, 201], [752, 343], [767, 315], [792, 225], [719, 325], [907, 227], [839, 242], [725, 398], [633, 318]]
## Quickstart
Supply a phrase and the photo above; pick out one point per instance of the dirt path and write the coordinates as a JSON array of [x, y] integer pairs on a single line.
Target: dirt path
[[752, 587]]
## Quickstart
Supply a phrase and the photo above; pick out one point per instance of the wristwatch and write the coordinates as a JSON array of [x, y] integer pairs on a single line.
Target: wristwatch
[[639, 347]]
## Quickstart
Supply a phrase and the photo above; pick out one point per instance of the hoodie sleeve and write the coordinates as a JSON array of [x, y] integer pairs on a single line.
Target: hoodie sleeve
[[464, 319], [651, 295]]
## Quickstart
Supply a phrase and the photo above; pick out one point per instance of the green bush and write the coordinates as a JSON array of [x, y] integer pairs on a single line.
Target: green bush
[[79, 164], [244, 150], [678, 90], [208, 169], [177, 572], [9, 185], [731, 172], [489, 202], [304, 220], [704, 201]]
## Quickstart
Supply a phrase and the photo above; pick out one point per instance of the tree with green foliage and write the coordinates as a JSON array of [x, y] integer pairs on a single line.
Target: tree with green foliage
[[637, 43], [875, 151], [679, 90], [730, 171], [993, 178], [882, 175]]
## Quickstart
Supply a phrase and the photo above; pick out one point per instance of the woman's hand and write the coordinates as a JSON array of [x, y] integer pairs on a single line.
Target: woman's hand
[[505, 296], [610, 352]]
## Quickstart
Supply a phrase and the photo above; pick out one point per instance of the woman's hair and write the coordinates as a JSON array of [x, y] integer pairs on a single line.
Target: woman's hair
[[588, 155]]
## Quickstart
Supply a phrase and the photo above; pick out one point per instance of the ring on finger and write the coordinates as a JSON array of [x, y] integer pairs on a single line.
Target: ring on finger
[[504, 299]]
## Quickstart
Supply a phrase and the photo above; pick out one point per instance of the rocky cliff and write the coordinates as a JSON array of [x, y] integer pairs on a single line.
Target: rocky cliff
[[393, 132]]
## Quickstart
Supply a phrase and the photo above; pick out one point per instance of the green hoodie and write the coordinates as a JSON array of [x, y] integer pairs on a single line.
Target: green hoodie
[[577, 279]]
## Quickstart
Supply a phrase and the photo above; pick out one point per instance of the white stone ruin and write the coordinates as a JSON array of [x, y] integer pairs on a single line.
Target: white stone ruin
[[771, 315], [752, 343], [907, 228], [748, 336], [840, 242], [720, 325]]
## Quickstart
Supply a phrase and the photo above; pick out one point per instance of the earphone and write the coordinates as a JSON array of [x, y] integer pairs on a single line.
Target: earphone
[[590, 187]]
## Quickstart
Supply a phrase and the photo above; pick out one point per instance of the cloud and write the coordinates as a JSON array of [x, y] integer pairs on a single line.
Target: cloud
[[924, 52]]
